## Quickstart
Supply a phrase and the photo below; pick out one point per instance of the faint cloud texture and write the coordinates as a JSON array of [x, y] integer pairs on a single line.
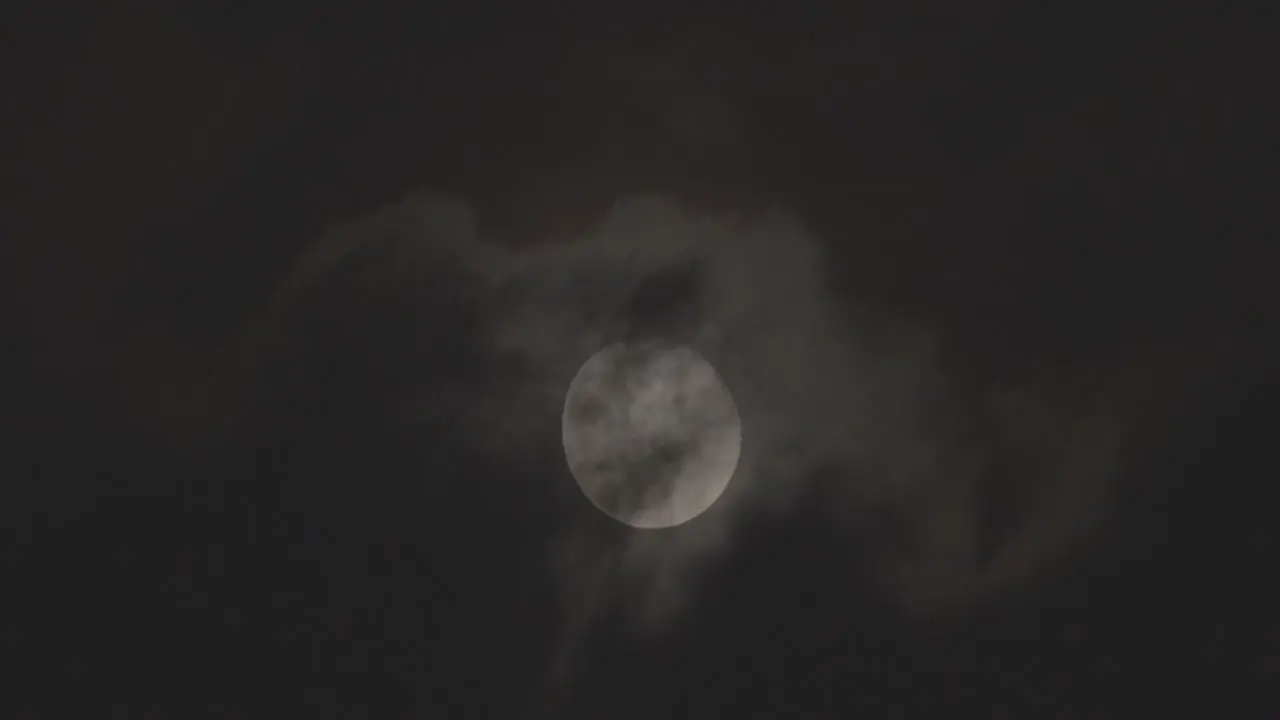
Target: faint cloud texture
[[852, 403]]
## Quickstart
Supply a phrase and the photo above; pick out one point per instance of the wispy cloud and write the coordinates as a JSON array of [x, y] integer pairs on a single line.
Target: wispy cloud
[[849, 402]]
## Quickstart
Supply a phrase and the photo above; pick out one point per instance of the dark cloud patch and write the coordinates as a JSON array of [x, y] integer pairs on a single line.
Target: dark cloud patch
[[663, 301]]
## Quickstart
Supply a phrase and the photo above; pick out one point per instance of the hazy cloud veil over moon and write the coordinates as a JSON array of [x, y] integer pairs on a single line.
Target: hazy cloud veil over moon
[[651, 434]]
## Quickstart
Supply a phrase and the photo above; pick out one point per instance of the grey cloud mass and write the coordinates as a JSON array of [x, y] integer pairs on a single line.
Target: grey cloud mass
[[842, 401], [949, 493]]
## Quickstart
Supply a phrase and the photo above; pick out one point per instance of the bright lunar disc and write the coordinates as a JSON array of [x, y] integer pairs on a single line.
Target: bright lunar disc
[[651, 433]]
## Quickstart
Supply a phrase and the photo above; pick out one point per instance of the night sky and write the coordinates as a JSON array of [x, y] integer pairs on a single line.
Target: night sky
[[295, 292]]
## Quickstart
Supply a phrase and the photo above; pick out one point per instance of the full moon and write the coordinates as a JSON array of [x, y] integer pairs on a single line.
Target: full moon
[[651, 433]]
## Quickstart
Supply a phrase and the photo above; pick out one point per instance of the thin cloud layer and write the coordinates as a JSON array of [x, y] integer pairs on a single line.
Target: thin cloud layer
[[848, 402], [832, 399]]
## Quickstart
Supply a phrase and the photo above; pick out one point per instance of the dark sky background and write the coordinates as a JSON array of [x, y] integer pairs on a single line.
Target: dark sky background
[[210, 521]]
